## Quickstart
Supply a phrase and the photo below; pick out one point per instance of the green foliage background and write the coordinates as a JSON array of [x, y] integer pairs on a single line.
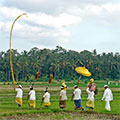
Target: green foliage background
[[59, 62]]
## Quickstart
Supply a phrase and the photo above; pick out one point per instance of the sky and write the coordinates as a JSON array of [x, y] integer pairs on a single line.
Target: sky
[[73, 24]]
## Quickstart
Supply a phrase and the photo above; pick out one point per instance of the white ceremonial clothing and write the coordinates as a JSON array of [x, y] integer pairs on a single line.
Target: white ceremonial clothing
[[19, 93], [77, 94], [107, 96], [107, 105], [63, 95], [32, 95], [46, 97], [90, 94]]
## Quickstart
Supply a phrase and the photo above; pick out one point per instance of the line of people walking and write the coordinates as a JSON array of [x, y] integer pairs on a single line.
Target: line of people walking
[[76, 96]]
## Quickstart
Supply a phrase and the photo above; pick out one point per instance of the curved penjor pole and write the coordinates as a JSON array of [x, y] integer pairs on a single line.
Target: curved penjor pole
[[11, 66]]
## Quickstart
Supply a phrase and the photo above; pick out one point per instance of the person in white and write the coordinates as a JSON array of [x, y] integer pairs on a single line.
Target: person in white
[[46, 98], [107, 96], [77, 98], [32, 97], [19, 95], [63, 98], [90, 102], [32, 93]]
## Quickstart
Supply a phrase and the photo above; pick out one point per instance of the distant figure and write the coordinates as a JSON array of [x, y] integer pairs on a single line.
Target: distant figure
[[90, 102], [46, 98], [107, 97], [116, 83], [63, 98], [108, 82], [19, 95], [32, 98], [77, 98]]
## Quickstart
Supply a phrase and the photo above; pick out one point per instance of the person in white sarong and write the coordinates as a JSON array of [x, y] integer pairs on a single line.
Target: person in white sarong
[[107, 96], [90, 102]]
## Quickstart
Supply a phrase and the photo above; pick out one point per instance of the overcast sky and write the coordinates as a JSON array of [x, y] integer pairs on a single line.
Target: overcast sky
[[73, 24]]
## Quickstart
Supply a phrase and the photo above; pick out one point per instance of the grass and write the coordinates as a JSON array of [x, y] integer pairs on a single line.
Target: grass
[[9, 108], [100, 83]]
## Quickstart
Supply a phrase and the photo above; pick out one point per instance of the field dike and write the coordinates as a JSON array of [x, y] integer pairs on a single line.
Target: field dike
[[84, 115]]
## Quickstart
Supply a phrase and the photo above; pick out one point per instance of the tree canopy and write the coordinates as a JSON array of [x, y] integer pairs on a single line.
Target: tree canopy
[[59, 62]]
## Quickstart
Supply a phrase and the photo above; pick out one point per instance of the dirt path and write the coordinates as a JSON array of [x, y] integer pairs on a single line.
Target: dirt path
[[64, 116]]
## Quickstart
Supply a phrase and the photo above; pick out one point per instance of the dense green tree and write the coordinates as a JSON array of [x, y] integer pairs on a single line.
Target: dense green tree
[[59, 62]]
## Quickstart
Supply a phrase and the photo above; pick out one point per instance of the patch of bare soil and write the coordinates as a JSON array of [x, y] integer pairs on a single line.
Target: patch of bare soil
[[64, 116]]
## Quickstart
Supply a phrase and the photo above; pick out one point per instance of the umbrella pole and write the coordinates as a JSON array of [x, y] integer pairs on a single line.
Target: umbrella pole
[[47, 86], [79, 79]]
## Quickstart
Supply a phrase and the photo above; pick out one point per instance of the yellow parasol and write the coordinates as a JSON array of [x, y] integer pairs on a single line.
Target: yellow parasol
[[10, 46], [82, 71]]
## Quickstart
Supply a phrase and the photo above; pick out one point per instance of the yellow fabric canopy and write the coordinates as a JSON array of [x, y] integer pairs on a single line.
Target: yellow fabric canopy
[[83, 71]]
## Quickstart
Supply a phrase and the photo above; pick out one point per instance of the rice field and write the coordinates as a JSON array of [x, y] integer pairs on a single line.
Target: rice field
[[9, 110]]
